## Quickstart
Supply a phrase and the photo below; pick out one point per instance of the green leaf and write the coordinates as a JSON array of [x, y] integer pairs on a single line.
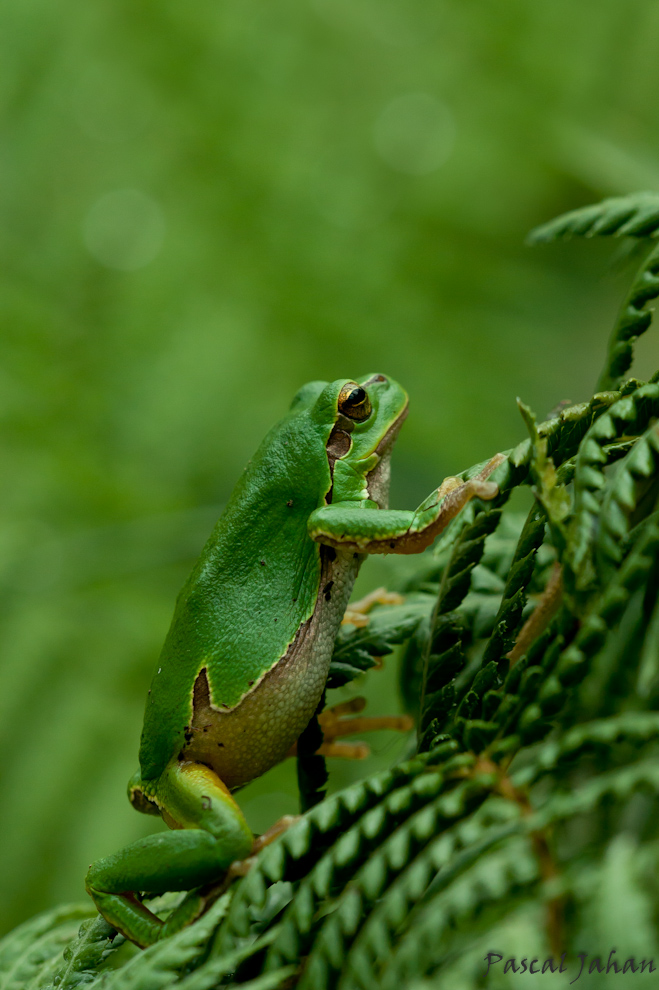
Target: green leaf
[[636, 215], [26, 953], [388, 626]]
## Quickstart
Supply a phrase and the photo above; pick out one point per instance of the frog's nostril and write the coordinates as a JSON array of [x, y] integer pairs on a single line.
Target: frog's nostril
[[376, 379]]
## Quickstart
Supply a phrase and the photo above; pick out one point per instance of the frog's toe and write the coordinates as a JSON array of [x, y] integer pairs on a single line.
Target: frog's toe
[[334, 726]]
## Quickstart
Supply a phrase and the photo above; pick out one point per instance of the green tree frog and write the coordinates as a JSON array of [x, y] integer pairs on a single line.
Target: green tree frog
[[245, 661]]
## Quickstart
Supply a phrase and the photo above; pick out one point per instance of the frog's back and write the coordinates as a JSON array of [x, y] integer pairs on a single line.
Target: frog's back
[[249, 596]]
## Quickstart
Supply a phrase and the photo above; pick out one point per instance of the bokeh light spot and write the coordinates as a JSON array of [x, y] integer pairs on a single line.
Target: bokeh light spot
[[124, 229], [415, 133]]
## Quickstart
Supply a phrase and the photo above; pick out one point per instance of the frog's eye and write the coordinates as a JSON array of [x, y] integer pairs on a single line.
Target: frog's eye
[[354, 402]]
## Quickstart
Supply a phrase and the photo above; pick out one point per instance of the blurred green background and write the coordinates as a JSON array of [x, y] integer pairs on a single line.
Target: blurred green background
[[205, 205]]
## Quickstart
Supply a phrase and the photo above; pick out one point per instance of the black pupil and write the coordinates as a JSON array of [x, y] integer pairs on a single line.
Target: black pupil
[[356, 396]]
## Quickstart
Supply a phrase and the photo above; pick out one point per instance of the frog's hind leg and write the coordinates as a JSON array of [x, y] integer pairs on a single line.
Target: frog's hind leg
[[210, 832]]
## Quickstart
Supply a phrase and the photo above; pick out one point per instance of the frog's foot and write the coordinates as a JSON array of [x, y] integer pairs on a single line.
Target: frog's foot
[[334, 726], [356, 613], [454, 493], [279, 827], [241, 867]]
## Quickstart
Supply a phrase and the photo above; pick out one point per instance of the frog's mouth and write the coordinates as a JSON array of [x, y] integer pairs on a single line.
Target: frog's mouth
[[386, 443]]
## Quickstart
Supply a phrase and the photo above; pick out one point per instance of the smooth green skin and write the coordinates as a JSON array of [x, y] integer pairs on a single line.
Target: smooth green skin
[[255, 585]]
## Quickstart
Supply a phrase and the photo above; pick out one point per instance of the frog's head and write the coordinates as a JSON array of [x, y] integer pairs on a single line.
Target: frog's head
[[361, 421]]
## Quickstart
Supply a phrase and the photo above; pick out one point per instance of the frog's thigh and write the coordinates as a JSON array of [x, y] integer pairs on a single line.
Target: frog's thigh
[[211, 833]]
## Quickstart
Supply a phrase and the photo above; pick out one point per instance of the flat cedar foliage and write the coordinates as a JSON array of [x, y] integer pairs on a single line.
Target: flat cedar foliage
[[524, 821]]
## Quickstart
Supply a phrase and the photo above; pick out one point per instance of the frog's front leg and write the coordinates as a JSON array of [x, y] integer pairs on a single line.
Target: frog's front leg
[[210, 833], [347, 526]]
